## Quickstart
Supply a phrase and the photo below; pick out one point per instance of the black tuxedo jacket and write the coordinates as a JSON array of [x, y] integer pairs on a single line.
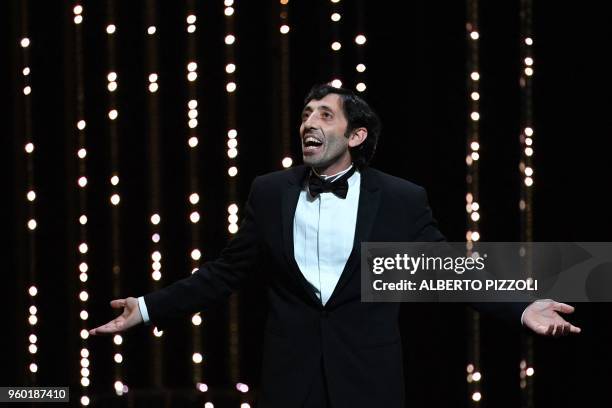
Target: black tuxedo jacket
[[359, 343]]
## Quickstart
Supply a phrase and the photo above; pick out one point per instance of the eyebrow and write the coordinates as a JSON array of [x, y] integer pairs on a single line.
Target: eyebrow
[[321, 107]]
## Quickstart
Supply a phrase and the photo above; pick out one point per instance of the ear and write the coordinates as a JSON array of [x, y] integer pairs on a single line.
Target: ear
[[358, 136]]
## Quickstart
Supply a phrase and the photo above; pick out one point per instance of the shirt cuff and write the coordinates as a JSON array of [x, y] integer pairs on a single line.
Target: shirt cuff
[[143, 310]]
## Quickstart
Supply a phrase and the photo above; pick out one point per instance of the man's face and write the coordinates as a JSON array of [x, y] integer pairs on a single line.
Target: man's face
[[323, 131]]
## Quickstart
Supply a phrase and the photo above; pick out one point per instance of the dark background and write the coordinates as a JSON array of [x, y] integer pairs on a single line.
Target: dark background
[[416, 78]]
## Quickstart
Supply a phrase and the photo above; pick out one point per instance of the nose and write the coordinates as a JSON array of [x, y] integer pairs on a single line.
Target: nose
[[310, 122]]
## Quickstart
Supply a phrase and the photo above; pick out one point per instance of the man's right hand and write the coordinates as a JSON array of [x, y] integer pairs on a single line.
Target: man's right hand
[[129, 318]]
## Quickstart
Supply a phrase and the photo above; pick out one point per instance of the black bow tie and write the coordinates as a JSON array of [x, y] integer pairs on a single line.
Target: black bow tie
[[316, 185]]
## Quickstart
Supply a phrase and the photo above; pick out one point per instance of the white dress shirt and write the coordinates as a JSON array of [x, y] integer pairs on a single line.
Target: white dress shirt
[[323, 234]]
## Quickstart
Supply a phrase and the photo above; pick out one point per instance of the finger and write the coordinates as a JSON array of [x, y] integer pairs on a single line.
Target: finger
[[97, 330], [563, 307], [109, 328], [559, 327], [566, 329], [554, 331], [118, 303], [575, 329], [546, 331]]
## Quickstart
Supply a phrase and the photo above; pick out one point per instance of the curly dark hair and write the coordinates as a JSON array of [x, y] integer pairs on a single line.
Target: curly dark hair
[[358, 114]]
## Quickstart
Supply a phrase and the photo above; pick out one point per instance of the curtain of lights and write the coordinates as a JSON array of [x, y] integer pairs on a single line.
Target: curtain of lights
[[526, 369], [194, 198], [360, 40], [472, 196], [285, 101], [31, 192], [153, 126], [115, 197], [82, 196], [190, 106]]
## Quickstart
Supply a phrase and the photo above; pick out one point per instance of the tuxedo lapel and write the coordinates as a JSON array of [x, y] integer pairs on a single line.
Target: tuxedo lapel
[[289, 205], [369, 199]]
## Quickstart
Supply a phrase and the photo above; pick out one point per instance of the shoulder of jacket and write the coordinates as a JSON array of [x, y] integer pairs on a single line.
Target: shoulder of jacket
[[277, 180], [394, 183]]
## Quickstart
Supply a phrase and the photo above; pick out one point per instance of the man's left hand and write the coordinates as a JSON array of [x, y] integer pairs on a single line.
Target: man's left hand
[[543, 317]]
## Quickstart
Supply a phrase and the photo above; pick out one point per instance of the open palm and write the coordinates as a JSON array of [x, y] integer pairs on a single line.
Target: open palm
[[129, 318], [543, 318]]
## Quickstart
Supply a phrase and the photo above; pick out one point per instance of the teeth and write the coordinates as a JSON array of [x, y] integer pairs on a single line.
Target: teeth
[[311, 139]]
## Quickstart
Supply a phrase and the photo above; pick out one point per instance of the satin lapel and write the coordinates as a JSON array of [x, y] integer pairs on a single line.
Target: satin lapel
[[289, 204], [369, 199]]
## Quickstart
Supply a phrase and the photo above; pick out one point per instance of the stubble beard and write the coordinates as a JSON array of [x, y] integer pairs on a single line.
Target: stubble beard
[[328, 158]]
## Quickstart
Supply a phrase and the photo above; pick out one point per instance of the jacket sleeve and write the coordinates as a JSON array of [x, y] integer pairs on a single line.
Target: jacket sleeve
[[426, 225], [428, 231], [214, 281]]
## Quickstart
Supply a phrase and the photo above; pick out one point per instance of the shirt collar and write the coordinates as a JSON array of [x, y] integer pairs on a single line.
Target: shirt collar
[[333, 177]]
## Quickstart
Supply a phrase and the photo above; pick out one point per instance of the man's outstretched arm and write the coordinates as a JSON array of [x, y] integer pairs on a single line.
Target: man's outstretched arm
[[542, 316], [210, 284]]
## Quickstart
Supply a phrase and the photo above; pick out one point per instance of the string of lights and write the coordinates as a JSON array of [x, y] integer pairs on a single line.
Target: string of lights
[[155, 218], [154, 179], [232, 209], [474, 374], [526, 370], [194, 197], [31, 224], [115, 197], [285, 101], [336, 44], [360, 41], [82, 181]]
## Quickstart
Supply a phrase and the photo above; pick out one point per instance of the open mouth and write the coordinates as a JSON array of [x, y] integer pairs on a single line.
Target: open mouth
[[311, 144]]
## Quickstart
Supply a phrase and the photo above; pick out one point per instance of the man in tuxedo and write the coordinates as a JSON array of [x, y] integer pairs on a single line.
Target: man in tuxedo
[[302, 228]]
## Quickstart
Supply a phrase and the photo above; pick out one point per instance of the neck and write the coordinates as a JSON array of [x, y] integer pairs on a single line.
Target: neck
[[334, 168]]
